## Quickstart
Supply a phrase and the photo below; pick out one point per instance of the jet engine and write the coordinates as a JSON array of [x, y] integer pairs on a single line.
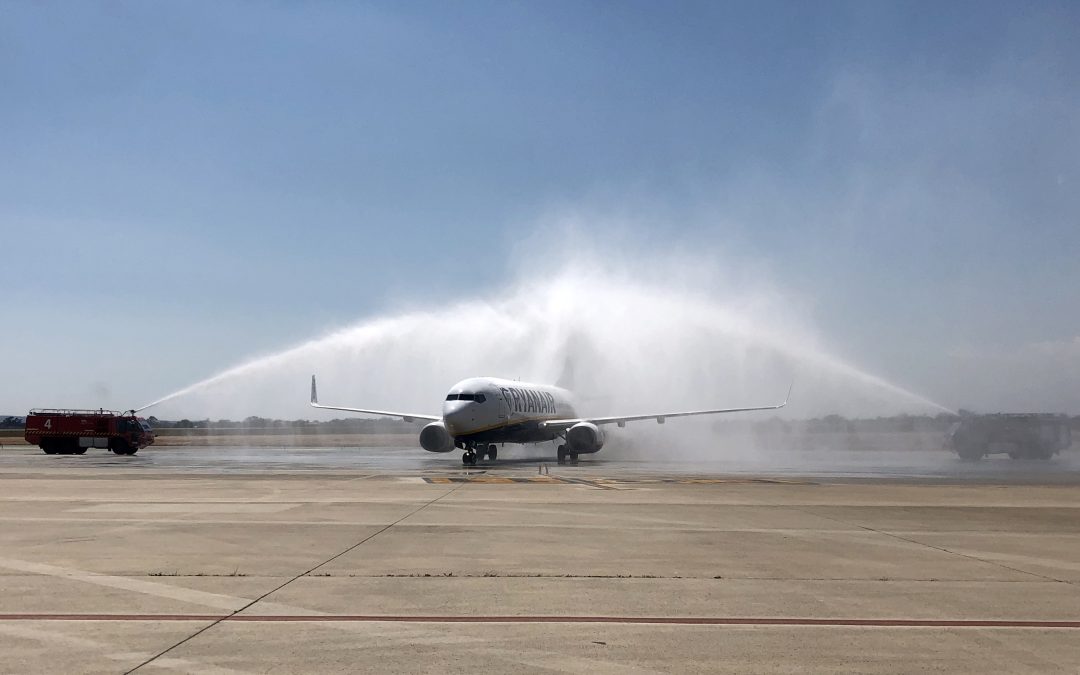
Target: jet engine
[[435, 438], [584, 438]]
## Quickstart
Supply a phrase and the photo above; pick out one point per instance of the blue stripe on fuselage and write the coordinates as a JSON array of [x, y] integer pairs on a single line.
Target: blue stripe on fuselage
[[516, 431]]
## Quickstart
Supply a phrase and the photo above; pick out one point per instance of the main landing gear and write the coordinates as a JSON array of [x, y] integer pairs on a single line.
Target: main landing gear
[[563, 452], [473, 453]]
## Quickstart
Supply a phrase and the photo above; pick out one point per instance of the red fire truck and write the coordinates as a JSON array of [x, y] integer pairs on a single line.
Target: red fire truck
[[71, 432]]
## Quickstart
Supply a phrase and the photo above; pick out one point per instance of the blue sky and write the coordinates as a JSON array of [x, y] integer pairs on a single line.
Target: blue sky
[[185, 185]]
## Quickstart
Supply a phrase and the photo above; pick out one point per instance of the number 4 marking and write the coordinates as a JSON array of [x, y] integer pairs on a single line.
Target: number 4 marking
[[48, 424]]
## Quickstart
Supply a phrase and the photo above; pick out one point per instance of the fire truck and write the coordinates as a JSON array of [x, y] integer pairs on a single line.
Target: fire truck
[[71, 432], [1021, 435]]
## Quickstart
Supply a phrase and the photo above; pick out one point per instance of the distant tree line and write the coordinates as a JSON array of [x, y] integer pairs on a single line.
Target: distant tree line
[[355, 425], [386, 425], [941, 422], [12, 422]]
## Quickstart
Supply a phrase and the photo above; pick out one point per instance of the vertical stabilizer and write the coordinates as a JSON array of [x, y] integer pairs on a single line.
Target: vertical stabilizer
[[566, 379]]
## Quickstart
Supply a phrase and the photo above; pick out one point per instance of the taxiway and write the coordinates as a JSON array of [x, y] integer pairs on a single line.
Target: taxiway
[[334, 560]]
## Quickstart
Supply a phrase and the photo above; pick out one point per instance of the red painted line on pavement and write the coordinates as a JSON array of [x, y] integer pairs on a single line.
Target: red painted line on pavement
[[112, 617], [672, 620]]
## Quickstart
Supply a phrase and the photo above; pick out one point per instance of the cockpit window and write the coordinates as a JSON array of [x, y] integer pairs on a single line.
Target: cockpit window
[[479, 398]]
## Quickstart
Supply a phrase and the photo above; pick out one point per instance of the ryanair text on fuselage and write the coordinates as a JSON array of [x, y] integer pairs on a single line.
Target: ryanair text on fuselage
[[528, 401]]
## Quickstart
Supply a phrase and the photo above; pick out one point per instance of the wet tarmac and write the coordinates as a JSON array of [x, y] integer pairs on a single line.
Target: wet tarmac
[[914, 465]]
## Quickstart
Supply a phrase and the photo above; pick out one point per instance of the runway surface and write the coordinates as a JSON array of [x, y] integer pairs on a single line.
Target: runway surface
[[245, 560], [935, 465]]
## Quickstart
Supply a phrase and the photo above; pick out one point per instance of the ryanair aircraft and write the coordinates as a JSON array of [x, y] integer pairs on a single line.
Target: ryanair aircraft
[[482, 411]]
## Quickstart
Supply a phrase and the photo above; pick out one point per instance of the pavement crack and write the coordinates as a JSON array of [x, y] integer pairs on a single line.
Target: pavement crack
[[292, 579]]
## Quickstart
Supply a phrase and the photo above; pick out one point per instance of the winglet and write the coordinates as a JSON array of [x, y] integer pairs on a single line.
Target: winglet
[[786, 398], [314, 394]]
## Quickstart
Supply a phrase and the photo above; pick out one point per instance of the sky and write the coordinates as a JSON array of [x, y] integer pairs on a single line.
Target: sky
[[185, 186]]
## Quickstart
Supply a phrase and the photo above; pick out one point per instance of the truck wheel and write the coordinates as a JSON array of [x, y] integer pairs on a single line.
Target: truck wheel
[[121, 447], [49, 448], [79, 451], [971, 452], [66, 446]]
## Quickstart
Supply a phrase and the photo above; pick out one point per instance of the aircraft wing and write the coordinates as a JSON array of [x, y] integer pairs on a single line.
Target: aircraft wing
[[659, 417], [408, 417]]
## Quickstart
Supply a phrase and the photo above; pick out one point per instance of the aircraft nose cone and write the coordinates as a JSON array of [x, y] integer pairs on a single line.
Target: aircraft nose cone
[[456, 416]]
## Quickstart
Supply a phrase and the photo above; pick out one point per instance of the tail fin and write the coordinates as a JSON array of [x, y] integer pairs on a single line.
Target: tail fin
[[566, 379], [314, 394]]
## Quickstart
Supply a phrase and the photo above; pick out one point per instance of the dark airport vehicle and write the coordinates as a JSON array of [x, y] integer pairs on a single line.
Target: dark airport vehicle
[[1021, 435], [71, 432]]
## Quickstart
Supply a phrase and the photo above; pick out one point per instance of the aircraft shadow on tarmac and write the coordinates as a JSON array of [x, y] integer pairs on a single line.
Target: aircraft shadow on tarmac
[[521, 461]]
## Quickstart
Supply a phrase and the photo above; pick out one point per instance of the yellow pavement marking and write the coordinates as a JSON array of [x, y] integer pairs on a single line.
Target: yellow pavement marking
[[606, 482]]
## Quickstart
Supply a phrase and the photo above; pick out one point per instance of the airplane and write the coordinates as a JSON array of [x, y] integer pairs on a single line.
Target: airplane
[[480, 412]]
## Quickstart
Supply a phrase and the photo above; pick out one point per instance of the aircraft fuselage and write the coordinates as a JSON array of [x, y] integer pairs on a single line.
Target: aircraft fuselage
[[492, 410]]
